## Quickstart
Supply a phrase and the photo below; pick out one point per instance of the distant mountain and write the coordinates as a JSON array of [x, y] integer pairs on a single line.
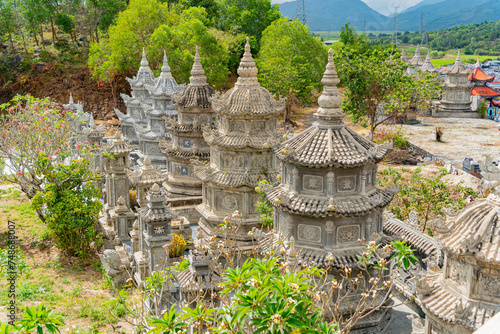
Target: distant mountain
[[449, 13], [331, 15], [421, 4]]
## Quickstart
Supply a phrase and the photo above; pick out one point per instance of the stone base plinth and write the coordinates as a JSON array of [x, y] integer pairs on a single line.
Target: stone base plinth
[[456, 114]]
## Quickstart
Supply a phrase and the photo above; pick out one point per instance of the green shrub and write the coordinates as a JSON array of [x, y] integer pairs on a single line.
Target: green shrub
[[71, 204]]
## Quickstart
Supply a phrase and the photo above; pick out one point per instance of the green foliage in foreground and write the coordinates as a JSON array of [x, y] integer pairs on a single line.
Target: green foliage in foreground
[[291, 61]]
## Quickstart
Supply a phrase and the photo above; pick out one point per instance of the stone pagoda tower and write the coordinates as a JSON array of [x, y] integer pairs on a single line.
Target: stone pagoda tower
[[456, 101], [135, 112], [328, 197], [143, 179], [161, 94], [187, 143], [462, 295], [427, 65], [240, 152]]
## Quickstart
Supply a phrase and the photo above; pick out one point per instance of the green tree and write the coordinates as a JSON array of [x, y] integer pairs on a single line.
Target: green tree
[[180, 41], [250, 17], [425, 195], [7, 25], [291, 61], [376, 87]]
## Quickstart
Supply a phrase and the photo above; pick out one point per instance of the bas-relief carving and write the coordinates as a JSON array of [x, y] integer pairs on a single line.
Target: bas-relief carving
[[237, 126], [214, 157], [233, 161], [309, 233], [457, 273], [346, 183], [349, 233], [260, 161], [227, 202], [488, 285], [312, 182], [258, 126]]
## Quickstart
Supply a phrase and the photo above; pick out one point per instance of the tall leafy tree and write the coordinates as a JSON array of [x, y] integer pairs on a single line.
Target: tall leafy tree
[[291, 61], [250, 17], [376, 87], [7, 15]]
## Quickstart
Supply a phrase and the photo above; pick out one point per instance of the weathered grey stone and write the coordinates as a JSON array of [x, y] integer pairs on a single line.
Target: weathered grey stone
[[18, 58], [114, 267]]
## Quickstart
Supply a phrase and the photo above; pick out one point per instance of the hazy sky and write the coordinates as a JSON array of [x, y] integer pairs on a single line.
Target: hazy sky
[[385, 7]]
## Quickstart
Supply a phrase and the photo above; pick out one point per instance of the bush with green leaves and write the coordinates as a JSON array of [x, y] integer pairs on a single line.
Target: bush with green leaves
[[38, 319], [425, 195], [16, 258], [265, 208], [71, 204]]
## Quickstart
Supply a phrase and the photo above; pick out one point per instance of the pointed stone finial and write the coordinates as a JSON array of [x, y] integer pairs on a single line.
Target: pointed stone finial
[[144, 61], [478, 64], [118, 135], [247, 71], [428, 56], [198, 77], [91, 121], [458, 56], [329, 101], [155, 188], [121, 200], [147, 161], [165, 69], [417, 50], [71, 98]]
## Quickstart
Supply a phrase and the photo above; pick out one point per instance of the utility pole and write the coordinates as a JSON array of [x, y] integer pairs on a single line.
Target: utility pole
[[301, 11], [395, 27], [422, 28]]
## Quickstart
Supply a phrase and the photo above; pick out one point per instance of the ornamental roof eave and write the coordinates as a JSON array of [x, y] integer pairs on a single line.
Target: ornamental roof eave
[[322, 206]]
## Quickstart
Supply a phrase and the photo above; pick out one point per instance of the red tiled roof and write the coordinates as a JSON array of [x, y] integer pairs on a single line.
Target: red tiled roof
[[484, 91], [478, 74]]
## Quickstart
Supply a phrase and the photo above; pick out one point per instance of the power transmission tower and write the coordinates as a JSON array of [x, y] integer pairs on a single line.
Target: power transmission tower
[[422, 28], [395, 27], [301, 11]]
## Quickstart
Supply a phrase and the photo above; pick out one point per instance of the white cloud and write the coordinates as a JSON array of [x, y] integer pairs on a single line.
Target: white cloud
[[385, 7]]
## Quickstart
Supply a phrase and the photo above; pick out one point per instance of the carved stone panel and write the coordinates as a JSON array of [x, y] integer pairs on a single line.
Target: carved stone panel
[[233, 161], [237, 126], [227, 202], [312, 183], [346, 183], [349, 233], [258, 127], [259, 161], [309, 233], [489, 285]]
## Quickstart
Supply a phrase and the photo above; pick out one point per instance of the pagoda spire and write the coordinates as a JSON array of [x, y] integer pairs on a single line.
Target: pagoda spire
[[71, 98], [248, 70], [458, 59], [329, 102], [165, 69], [144, 61], [198, 77]]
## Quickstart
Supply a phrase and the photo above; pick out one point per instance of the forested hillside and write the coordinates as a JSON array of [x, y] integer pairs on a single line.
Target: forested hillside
[[479, 39]]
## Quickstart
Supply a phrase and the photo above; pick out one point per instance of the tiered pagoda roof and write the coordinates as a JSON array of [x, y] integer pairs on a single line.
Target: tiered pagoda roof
[[147, 174], [427, 66], [165, 85], [457, 68], [478, 75], [118, 145], [144, 75], [417, 59], [329, 143], [93, 132], [485, 92], [198, 92]]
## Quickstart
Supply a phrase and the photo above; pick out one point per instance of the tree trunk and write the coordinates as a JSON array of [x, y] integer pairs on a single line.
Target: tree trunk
[[53, 31], [24, 41], [41, 35], [91, 36], [11, 42], [36, 39], [97, 34]]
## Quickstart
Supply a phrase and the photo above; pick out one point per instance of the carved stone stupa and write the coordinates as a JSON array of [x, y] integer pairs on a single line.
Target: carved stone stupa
[[161, 94], [328, 197], [187, 143], [135, 112], [240, 152], [456, 101], [465, 293]]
